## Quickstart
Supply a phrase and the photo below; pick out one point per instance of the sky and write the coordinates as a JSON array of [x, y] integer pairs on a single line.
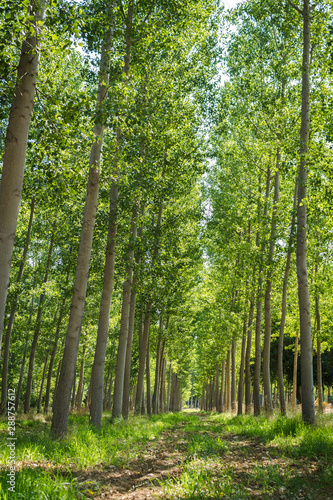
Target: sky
[[231, 3]]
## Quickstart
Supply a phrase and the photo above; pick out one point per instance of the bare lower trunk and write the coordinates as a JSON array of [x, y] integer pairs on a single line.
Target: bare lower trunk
[[80, 387], [233, 375], [16, 146], [257, 363], [294, 396], [222, 388], [62, 396], [248, 359], [19, 385], [128, 362], [42, 384], [73, 392], [217, 378], [169, 389], [162, 391], [9, 330], [241, 370], [109, 395], [142, 359], [97, 374], [227, 383], [284, 307], [319, 367], [268, 320], [155, 404], [301, 260], [148, 379]]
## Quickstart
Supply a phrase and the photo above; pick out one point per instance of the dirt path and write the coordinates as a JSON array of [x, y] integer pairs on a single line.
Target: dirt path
[[141, 479], [253, 469]]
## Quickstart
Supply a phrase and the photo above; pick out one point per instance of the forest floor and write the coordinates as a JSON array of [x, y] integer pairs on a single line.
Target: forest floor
[[190, 455]]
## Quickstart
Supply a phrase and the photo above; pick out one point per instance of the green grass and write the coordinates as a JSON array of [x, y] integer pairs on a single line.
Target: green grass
[[46, 466], [214, 450], [208, 475]]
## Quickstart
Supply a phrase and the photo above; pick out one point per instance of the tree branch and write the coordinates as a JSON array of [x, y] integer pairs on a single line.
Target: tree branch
[[295, 7]]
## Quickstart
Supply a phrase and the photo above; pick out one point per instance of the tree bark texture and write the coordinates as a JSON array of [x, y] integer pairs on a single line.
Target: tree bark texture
[[19, 385], [294, 396], [248, 402], [266, 366], [80, 386], [308, 412], [227, 383], [257, 363], [241, 370], [148, 378], [16, 146], [319, 366], [4, 383], [42, 384]]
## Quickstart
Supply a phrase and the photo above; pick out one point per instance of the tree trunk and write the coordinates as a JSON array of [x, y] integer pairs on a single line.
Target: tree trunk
[[4, 384], [97, 373], [73, 392], [42, 384], [19, 385], [227, 383], [319, 367], [80, 387], [308, 412], [233, 375], [221, 409], [284, 307], [169, 389], [257, 363], [294, 398], [217, 378], [38, 323], [109, 395], [155, 401], [16, 146], [162, 392], [268, 320], [148, 378], [62, 396], [241, 369], [248, 403]]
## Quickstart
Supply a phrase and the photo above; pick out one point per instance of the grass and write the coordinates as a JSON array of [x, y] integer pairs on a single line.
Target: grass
[[46, 467], [222, 456], [245, 457]]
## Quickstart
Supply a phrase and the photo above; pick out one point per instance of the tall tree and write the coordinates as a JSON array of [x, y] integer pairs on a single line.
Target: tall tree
[[16, 145]]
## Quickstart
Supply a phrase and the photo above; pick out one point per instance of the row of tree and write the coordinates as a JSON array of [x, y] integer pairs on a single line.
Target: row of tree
[[141, 102], [268, 198]]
